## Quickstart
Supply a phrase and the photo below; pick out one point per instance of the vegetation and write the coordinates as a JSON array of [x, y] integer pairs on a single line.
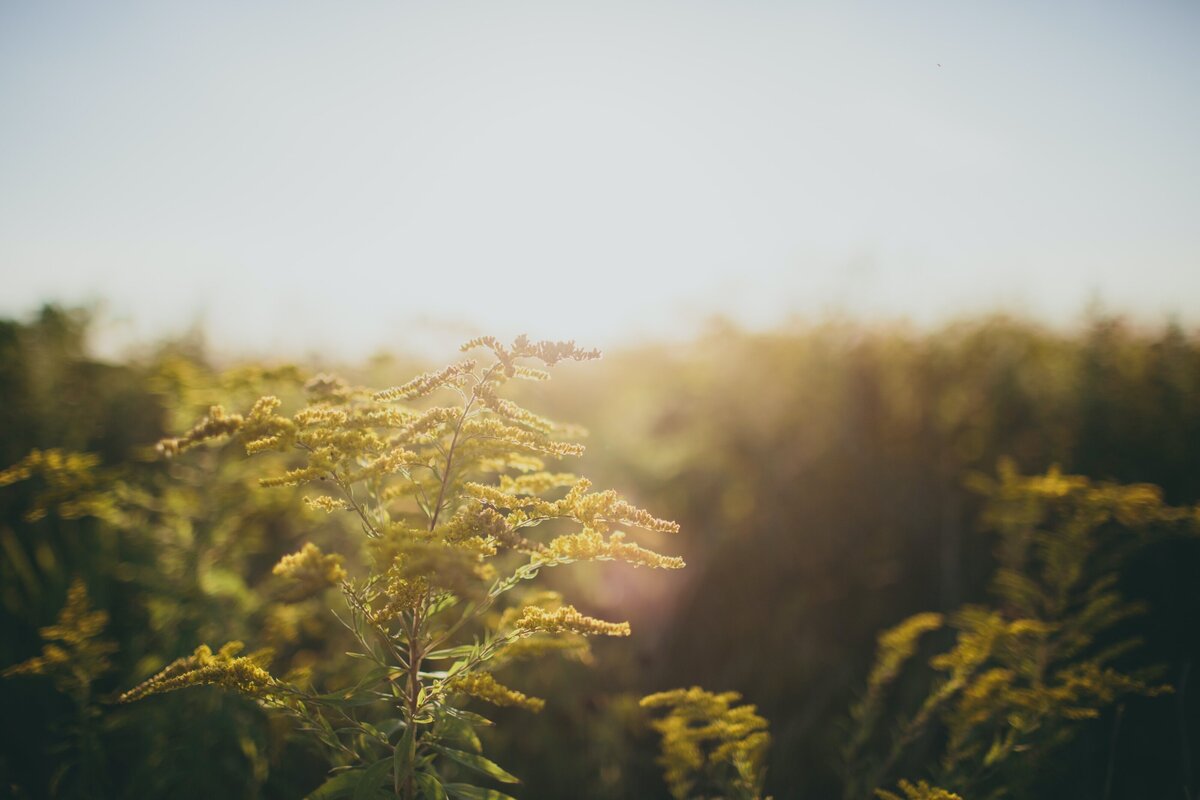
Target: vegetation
[[1032, 629], [710, 747], [1020, 676]]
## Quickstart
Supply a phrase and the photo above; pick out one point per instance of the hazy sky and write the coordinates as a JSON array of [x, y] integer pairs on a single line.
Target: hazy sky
[[338, 175]]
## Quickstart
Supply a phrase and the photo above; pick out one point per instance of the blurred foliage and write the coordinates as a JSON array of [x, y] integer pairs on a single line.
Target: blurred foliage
[[171, 558], [711, 746], [1022, 673], [819, 472], [447, 499]]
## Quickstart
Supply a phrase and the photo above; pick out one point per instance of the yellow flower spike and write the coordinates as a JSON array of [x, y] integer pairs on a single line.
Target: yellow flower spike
[[917, 791], [567, 619], [428, 383], [74, 654], [482, 686], [203, 668], [589, 545], [309, 571], [214, 426], [703, 735], [896, 646]]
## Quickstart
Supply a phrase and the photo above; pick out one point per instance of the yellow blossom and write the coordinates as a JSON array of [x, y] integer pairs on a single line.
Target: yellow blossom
[[424, 384], [567, 620], [309, 571], [483, 686], [203, 667], [707, 738], [896, 645], [215, 425], [918, 791], [74, 654], [589, 545]]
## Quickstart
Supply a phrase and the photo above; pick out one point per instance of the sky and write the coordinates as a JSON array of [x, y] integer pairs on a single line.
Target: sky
[[352, 176]]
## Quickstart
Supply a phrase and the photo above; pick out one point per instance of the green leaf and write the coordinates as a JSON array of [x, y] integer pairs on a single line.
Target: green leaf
[[468, 716], [477, 763], [371, 779], [451, 652], [373, 731], [431, 787], [465, 791], [402, 759], [461, 731], [349, 698], [338, 786], [389, 726]]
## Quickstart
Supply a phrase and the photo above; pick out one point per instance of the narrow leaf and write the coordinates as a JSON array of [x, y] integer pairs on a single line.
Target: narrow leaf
[[338, 786], [402, 759], [465, 791], [431, 787], [372, 777], [477, 763]]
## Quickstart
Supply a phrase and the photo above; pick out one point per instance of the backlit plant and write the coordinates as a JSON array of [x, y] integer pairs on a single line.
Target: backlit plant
[[447, 498], [712, 747], [1021, 675]]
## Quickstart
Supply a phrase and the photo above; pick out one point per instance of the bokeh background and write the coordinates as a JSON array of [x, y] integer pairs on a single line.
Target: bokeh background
[[839, 256]]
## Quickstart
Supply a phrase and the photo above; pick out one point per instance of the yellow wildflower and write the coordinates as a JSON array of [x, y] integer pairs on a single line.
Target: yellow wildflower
[[309, 571], [203, 667], [422, 385], [708, 739], [589, 545], [214, 426], [918, 791], [483, 686], [567, 620], [73, 655]]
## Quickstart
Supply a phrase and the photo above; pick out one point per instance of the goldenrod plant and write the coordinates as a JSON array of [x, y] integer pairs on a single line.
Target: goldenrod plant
[[917, 791], [447, 498], [75, 653], [177, 557], [712, 747], [1021, 675]]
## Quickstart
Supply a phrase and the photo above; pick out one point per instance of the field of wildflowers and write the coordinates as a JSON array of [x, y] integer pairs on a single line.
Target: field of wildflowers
[[919, 566]]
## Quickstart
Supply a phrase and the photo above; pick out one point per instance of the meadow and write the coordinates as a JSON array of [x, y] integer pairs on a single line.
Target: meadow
[[942, 563]]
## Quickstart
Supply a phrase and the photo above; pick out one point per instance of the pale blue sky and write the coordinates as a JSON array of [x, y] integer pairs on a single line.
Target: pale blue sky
[[338, 175]]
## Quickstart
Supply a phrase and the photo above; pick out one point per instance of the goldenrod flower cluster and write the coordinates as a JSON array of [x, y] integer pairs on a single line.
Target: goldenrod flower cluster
[[598, 511], [309, 570], [549, 353], [917, 791], [453, 375], [589, 545], [74, 654], [447, 498], [1024, 500], [399, 594], [896, 645], [1020, 675], [711, 747], [566, 619], [324, 502], [215, 425], [492, 430], [70, 483], [482, 686], [536, 483], [203, 667], [55, 466], [323, 386]]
